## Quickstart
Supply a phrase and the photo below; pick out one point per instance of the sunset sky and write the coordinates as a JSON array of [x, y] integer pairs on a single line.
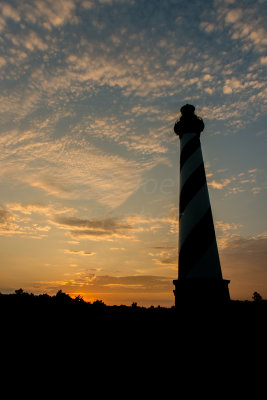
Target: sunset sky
[[90, 91]]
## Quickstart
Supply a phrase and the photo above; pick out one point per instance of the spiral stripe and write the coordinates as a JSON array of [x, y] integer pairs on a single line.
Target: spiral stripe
[[196, 243], [195, 210], [191, 187], [189, 166], [188, 149]]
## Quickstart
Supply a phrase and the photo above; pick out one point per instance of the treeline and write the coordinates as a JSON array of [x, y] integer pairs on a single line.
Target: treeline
[[20, 296], [64, 313], [60, 312], [22, 299], [62, 304], [61, 298]]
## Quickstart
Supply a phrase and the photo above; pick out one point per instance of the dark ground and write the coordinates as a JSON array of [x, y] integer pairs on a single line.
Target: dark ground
[[131, 350]]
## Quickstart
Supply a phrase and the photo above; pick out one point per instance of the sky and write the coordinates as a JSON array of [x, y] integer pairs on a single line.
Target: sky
[[89, 162]]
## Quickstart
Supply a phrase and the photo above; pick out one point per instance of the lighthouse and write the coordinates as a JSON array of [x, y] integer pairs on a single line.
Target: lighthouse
[[199, 271]]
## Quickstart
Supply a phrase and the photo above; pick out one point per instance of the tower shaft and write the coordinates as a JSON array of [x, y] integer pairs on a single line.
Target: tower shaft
[[198, 252], [200, 276]]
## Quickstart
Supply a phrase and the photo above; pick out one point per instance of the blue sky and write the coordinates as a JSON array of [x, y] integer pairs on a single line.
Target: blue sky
[[90, 91]]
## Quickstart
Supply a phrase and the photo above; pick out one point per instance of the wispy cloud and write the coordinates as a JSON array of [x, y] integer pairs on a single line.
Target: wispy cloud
[[79, 252], [47, 13], [247, 181], [114, 227], [6, 221], [143, 222], [39, 208], [226, 232], [22, 219], [166, 260], [9, 12], [68, 168], [95, 229], [219, 185], [105, 283], [12, 224], [251, 246], [165, 255]]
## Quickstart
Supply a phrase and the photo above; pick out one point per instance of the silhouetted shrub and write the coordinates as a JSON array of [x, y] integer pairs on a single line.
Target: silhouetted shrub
[[99, 303], [79, 299], [257, 297], [63, 297]]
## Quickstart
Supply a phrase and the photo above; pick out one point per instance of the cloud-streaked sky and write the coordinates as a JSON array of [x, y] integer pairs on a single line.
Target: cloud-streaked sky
[[90, 91]]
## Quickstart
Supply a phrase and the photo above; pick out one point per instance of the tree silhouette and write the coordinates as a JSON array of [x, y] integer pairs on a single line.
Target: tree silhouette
[[63, 297], [257, 297], [79, 299], [19, 292], [99, 303]]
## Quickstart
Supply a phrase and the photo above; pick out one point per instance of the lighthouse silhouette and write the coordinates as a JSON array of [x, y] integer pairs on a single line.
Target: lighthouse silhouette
[[199, 271]]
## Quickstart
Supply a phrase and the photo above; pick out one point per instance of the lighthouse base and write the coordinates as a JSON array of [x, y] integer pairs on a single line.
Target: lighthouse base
[[195, 292]]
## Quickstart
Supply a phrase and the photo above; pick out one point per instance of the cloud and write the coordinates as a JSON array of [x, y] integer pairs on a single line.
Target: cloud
[[70, 167], [144, 289], [227, 89], [49, 14], [134, 69], [11, 224], [124, 130], [87, 4], [95, 229], [263, 60], [164, 247], [225, 232], [233, 15], [111, 2], [140, 71], [4, 216], [33, 41], [223, 112], [52, 185], [144, 223], [251, 247], [98, 235], [233, 84], [39, 208], [246, 24], [109, 224], [79, 252], [248, 181], [123, 73], [219, 185], [208, 26], [105, 283], [145, 144], [8, 225], [170, 260], [30, 41], [165, 255], [114, 227], [9, 12], [29, 219]]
